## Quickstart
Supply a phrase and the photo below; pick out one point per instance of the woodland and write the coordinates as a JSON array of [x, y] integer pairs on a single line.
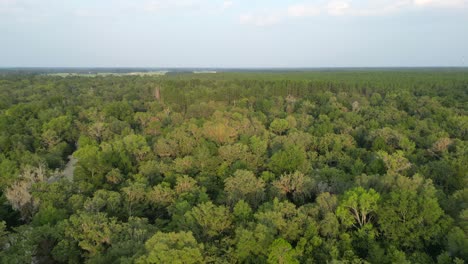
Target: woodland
[[358, 166]]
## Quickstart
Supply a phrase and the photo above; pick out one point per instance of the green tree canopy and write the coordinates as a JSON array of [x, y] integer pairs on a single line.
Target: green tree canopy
[[168, 248]]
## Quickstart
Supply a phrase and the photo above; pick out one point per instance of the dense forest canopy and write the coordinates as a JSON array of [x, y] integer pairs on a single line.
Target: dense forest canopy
[[300, 167]]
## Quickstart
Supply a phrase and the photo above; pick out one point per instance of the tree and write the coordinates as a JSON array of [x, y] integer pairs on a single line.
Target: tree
[[411, 216], [282, 217], [184, 165], [242, 211], [258, 146], [211, 220], [21, 245], [90, 167], [260, 167], [19, 193], [136, 146], [168, 248], [244, 186], [279, 126], [128, 244], [49, 215], [93, 231], [396, 162], [295, 186], [119, 110], [219, 132], [357, 207], [391, 140], [457, 243], [288, 160], [328, 225], [187, 189], [231, 153], [3, 234], [104, 201], [281, 252], [165, 148], [252, 245], [135, 197], [161, 196]]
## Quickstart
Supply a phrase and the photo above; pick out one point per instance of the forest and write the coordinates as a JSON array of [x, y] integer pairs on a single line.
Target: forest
[[356, 166]]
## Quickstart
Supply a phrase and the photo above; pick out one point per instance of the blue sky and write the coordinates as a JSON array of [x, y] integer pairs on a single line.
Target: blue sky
[[233, 33]]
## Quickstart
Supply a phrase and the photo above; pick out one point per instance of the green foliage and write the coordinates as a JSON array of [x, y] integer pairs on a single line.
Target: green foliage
[[279, 126], [289, 160], [242, 211], [297, 167], [282, 252], [49, 214], [92, 231], [3, 234], [411, 216], [457, 243], [172, 248], [244, 186], [284, 218], [357, 207], [295, 186], [211, 220], [252, 245]]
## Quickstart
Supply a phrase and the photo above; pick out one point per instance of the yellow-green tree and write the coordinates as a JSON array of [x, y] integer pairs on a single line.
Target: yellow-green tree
[[172, 248]]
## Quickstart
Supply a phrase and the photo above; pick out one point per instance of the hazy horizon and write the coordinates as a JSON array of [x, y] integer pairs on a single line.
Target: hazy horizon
[[233, 68], [239, 34]]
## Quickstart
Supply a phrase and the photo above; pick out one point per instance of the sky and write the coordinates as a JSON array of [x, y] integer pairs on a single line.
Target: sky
[[233, 33]]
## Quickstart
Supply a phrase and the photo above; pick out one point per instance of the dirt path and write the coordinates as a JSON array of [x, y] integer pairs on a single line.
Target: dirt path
[[70, 168]]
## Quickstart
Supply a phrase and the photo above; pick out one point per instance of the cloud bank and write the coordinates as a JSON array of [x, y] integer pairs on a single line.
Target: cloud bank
[[247, 12], [346, 8]]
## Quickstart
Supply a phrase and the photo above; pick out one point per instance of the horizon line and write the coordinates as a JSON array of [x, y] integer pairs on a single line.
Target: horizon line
[[227, 68]]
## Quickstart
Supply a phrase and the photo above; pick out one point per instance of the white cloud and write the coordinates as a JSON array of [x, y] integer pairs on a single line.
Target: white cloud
[[206, 6], [27, 10], [246, 18], [311, 8], [269, 18], [227, 4], [161, 5], [265, 15], [392, 7], [381, 8], [442, 3], [260, 20], [15, 5], [338, 8], [303, 10]]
